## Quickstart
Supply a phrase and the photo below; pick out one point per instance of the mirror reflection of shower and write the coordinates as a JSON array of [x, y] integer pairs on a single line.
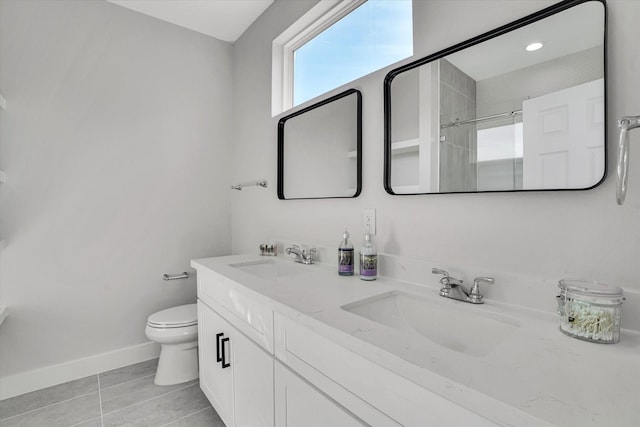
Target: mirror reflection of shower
[[499, 154], [480, 148], [496, 117]]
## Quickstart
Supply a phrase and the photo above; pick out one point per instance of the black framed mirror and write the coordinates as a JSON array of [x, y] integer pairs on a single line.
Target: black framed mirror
[[519, 108], [320, 149]]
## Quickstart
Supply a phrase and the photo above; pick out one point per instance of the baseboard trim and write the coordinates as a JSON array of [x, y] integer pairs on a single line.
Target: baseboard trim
[[25, 382]]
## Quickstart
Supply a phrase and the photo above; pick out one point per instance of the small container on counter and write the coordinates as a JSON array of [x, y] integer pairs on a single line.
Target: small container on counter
[[345, 255], [268, 250], [590, 311], [368, 258]]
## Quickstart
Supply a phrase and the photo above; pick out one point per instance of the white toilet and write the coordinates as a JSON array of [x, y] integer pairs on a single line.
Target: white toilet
[[176, 330]]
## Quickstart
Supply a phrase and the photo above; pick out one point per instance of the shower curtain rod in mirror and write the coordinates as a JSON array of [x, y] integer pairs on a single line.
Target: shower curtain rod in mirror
[[480, 119]]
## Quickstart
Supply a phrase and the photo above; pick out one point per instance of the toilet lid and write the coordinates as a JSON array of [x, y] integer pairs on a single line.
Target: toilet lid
[[175, 317]]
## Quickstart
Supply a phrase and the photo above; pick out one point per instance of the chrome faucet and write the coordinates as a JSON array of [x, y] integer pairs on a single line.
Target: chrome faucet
[[454, 289], [302, 256]]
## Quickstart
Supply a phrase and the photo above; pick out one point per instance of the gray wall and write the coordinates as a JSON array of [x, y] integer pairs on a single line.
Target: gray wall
[[458, 150], [540, 234], [116, 143]]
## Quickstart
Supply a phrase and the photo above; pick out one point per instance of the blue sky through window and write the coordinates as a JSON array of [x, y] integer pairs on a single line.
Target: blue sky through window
[[376, 34]]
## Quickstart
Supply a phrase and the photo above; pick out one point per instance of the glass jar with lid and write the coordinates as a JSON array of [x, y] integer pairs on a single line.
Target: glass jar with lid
[[590, 311]]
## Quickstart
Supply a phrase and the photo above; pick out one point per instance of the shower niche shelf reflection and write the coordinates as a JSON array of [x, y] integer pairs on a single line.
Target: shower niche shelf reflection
[[486, 115]]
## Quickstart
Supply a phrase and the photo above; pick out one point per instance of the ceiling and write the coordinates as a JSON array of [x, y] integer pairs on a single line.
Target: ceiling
[[573, 30], [223, 19]]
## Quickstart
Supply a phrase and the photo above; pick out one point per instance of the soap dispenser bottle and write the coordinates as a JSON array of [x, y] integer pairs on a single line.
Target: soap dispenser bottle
[[345, 255], [368, 258]]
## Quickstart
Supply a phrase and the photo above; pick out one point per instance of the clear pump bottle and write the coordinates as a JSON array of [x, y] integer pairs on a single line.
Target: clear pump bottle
[[345, 256], [368, 258]]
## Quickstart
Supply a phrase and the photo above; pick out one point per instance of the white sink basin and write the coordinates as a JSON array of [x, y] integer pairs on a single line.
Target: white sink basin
[[460, 327], [269, 268]]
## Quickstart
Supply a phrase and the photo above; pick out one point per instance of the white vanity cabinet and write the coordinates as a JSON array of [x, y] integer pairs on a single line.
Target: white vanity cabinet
[[235, 373], [300, 356], [263, 364], [215, 380], [298, 403], [235, 339], [325, 365], [374, 394]]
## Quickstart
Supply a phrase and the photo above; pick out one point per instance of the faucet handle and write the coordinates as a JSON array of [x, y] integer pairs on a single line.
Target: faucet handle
[[294, 249], [474, 294], [447, 281], [311, 257], [438, 271]]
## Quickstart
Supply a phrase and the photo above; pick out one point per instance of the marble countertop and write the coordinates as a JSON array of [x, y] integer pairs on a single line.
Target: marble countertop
[[535, 376]]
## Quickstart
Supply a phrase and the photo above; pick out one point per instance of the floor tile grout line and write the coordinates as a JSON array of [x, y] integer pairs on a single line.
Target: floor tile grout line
[[150, 399], [82, 422], [127, 382], [186, 416], [78, 396], [47, 406], [100, 402]]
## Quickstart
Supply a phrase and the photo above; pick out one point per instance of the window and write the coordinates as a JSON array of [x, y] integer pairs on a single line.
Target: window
[[500, 143], [337, 42]]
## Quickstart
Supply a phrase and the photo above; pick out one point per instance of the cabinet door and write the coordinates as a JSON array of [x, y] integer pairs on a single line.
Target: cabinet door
[[235, 373], [298, 403], [252, 382], [215, 382]]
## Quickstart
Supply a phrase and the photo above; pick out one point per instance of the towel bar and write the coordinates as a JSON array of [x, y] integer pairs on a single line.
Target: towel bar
[[184, 275], [625, 124]]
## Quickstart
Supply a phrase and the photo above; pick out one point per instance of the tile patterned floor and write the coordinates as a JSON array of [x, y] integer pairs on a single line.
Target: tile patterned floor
[[121, 397]]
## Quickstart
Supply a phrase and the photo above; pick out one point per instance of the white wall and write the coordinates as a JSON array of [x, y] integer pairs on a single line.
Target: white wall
[[115, 140], [549, 235]]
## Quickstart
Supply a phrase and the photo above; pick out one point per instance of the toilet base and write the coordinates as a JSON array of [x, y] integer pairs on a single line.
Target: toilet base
[[178, 363]]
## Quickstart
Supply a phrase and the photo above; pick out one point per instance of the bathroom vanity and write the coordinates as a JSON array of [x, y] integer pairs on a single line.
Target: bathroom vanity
[[290, 344]]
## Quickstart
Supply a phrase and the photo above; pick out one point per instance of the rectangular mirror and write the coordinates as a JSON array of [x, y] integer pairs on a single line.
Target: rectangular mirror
[[515, 109], [320, 149]]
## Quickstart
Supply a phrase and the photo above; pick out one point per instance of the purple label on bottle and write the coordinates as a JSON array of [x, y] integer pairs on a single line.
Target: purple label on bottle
[[368, 265], [345, 261], [345, 269]]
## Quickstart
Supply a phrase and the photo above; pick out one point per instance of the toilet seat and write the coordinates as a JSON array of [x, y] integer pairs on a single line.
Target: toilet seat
[[174, 317]]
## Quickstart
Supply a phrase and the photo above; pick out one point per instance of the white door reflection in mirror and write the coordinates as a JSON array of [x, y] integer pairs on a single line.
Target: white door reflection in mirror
[[448, 113], [568, 129]]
